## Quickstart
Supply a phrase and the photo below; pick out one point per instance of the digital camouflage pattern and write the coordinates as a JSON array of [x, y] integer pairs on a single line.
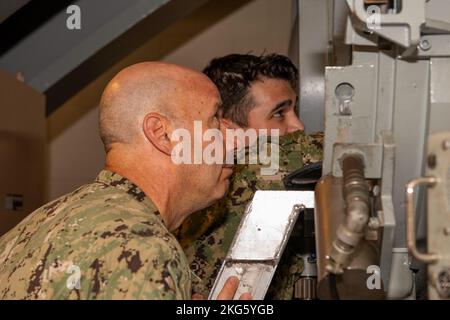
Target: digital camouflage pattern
[[207, 235], [109, 230]]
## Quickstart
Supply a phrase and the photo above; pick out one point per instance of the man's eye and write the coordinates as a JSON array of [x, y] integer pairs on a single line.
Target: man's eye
[[278, 114]]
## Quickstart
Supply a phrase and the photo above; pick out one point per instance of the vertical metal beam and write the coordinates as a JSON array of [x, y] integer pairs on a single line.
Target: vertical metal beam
[[410, 128], [313, 52]]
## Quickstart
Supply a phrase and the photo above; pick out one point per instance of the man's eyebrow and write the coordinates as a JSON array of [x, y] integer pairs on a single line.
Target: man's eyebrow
[[283, 104]]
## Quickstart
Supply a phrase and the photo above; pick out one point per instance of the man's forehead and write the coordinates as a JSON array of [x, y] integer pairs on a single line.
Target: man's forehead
[[272, 90], [209, 92]]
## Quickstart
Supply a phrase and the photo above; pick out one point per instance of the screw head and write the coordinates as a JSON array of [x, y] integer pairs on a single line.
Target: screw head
[[425, 44]]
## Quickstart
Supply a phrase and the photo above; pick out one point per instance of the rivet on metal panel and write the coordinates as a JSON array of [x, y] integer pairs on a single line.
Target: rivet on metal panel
[[425, 44]]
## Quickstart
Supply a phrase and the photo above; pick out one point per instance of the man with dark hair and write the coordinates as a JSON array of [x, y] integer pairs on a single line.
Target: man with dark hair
[[258, 92]]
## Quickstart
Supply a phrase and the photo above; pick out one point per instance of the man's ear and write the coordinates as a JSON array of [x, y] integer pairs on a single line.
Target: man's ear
[[157, 130]]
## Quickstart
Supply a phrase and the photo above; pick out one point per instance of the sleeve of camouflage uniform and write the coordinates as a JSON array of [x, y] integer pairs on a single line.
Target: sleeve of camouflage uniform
[[105, 240], [207, 253]]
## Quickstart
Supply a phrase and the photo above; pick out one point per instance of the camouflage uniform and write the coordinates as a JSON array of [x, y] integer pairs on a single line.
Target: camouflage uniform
[[109, 230], [207, 235]]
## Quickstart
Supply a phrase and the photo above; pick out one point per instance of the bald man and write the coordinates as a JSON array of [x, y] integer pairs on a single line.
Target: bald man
[[111, 239]]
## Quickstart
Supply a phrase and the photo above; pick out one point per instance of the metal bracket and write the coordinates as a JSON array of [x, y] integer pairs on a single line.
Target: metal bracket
[[437, 45], [260, 241], [403, 28]]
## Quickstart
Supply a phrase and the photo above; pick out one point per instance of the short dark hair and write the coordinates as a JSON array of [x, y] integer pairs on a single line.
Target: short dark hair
[[234, 74]]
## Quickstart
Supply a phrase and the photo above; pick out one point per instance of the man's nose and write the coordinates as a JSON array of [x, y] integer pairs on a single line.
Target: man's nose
[[295, 124]]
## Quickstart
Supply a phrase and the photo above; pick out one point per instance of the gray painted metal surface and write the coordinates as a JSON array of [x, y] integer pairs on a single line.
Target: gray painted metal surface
[[313, 44], [398, 99]]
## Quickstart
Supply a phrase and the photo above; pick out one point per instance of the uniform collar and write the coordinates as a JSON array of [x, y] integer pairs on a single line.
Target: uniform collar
[[117, 181]]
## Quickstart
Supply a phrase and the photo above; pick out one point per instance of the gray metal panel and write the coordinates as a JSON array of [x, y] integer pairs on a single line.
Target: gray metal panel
[[410, 129], [439, 113], [293, 50], [437, 45], [313, 44], [359, 127], [437, 13], [386, 78], [439, 95]]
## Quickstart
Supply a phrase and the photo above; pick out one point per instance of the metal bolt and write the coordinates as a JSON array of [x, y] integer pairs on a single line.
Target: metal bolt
[[425, 44], [446, 145]]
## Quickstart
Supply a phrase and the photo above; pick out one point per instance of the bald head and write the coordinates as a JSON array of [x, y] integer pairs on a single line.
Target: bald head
[[147, 87], [140, 110]]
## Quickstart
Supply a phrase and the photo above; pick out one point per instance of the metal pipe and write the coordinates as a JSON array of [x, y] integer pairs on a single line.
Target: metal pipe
[[351, 230]]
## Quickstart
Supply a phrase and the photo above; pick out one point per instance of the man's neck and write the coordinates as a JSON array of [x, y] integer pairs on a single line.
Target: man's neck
[[160, 188]]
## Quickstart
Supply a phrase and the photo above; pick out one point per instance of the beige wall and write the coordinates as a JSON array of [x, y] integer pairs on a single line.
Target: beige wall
[[221, 27]]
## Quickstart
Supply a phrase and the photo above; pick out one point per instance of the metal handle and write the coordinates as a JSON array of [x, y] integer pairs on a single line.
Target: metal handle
[[410, 233]]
